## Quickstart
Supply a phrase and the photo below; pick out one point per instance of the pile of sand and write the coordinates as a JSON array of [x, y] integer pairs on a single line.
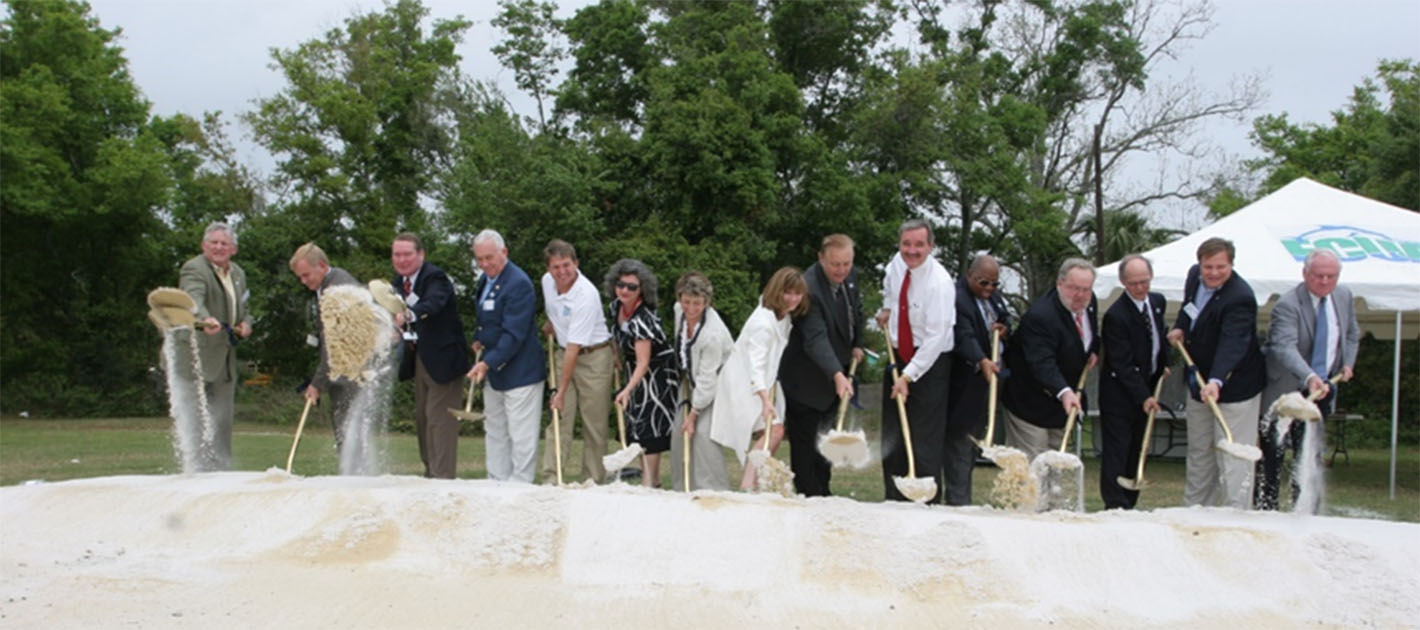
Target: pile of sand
[[239, 550]]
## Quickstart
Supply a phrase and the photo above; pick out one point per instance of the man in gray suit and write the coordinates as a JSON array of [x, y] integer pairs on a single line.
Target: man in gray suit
[[1312, 338], [219, 287], [312, 267]]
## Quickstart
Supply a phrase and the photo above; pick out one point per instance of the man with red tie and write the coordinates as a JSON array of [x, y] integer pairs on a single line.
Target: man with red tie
[[1055, 343], [919, 310]]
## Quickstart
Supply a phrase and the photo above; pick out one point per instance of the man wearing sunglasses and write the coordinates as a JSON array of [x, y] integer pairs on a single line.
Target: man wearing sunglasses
[[980, 310]]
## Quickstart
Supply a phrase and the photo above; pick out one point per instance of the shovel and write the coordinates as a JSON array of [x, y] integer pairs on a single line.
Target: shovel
[[918, 489], [1227, 445], [384, 295], [556, 417], [1051, 467], [299, 427], [618, 460], [770, 474], [467, 413], [988, 449], [170, 308], [845, 448], [1137, 483]]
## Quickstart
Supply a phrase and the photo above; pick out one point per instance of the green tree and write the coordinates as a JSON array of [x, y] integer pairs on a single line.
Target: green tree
[[529, 47]]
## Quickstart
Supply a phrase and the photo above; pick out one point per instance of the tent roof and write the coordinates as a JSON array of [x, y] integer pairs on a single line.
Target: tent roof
[[1379, 245]]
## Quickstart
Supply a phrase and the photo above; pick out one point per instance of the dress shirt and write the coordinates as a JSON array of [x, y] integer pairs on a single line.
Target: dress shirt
[[576, 315], [931, 311], [1148, 313]]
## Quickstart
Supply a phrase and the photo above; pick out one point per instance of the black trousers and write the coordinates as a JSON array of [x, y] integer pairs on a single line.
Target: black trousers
[[802, 426], [958, 460], [926, 419], [1122, 435], [1274, 455]]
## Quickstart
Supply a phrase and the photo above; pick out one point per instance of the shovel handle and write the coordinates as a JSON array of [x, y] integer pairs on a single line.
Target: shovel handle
[[556, 420], [901, 409], [291, 458], [1212, 404], [1148, 434], [468, 402], [1331, 383], [991, 391], [843, 400], [1070, 419], [620, 413]]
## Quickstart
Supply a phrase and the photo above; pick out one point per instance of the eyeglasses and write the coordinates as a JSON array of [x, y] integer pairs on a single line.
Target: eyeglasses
[[987, 283], [629, 286]]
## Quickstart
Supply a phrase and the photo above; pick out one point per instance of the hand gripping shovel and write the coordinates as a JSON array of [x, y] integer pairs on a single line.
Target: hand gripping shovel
[[1138, 483], [618, 460], [467, 413], [556, 417], [1294, 406], [918, 489], [845, 448], [1227, 445], [299, 427], [1051, 467]]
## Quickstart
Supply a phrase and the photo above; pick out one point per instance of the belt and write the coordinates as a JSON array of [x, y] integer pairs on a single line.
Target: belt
[[593, 347]]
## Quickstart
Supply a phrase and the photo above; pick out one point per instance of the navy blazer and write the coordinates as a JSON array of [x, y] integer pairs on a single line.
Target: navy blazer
[[821, 342], [967, 389], [1126, 380], [1045, 356], [1223, 343], [507, 328], [441, 347]]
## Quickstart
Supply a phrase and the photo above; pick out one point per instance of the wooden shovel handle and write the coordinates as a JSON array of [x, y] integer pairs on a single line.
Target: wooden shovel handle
[[1148, 432], [1212, 404], [901, 410], [991, 391], [843, 400], [291, 458], [1070, 419]]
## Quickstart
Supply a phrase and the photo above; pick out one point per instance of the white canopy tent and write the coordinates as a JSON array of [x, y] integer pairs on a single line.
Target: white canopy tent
[[1379, 245]]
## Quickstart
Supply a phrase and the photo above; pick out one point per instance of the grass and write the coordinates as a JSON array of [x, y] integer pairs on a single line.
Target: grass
[[55, 450]]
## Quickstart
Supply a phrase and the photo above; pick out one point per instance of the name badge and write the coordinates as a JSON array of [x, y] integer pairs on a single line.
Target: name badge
[[312, 341], [488, 305], [566, 311], [1191, 310], [410, 335], [411, 299]]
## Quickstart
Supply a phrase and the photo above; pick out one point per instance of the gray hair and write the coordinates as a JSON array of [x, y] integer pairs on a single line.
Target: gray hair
[[1124, 262], [981, 262], [631, 267], [490, 236], [218, 226], [1313, 255], [1072, 264], [916, 224], [695, 284]]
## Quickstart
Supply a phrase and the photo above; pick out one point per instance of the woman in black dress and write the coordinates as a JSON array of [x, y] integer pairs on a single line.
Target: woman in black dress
[[652, 384]]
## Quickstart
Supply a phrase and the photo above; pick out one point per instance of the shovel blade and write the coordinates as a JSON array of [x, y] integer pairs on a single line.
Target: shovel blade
[[619, 459], [845, 448], [1058, 476], [916, 489], [466, 416], [1130, 484]]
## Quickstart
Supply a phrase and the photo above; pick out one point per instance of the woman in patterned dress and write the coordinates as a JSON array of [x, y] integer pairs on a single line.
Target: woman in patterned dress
[[651, 391]]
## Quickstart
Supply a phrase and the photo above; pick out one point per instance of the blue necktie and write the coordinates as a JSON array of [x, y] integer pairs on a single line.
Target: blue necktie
[[1321, 342]]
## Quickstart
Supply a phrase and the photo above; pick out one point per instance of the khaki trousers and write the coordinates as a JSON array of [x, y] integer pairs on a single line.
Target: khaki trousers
[[438, 430], [588, 395], [1213, 476], [1030, 439]]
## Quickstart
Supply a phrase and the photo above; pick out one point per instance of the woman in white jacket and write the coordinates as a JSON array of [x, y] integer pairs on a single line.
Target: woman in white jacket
[[703, 344], [748, 394]]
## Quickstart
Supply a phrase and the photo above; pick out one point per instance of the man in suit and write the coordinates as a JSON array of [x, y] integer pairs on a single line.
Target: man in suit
[[1218, 326], [313, 269], [1135, 358], [1313, 337], [434, 353], [1056, 342], [918, 295], [219, 287], [512, 361], [814, 369], [980, 310]]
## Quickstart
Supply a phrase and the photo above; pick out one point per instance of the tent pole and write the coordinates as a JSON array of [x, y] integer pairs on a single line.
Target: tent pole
[[1395, 404]]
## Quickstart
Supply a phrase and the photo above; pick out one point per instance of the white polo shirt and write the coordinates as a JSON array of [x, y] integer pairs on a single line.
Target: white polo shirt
[[576, 315]]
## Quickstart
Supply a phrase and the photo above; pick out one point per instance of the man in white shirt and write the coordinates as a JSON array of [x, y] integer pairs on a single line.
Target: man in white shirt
[[919, 311], [582, 367]]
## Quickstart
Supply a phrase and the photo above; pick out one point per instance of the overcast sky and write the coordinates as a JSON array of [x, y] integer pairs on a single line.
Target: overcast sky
[[193, 56]]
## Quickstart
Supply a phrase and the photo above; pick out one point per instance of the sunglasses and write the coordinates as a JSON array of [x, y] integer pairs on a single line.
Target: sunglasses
[[987, 283], [629, 286]]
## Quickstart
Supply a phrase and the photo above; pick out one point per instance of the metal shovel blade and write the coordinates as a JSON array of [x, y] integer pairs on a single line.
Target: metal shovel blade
[[466, 416], [845, 448], [916, 489], [1057, 474], [618, 460], [1130, 484]]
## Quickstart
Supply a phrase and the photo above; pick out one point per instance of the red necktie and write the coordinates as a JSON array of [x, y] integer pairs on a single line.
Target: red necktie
[[407, 288], [904, 326]]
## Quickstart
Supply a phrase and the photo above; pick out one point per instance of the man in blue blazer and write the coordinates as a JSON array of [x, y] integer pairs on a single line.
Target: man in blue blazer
[[980, 309], [1135, 358], [1218, 326], [434, 353], [512, 361]]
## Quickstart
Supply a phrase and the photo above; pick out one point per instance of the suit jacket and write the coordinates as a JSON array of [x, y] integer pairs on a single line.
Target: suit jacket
[[199, 279], [1127, 379], [441, 347], [1291, 334], [821, 342], [968, 389], [710, 348], [336, 277], [1223, 343], [1045, 356], [507, 328]]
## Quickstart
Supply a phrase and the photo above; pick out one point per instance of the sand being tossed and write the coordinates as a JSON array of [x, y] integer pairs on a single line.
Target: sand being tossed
[[239, 550]]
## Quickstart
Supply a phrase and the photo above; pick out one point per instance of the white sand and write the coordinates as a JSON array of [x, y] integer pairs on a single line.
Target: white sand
[[240, 550]]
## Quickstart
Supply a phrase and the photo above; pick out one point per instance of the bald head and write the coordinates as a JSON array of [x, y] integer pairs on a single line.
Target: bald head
[[1136, 273], [983, 276]]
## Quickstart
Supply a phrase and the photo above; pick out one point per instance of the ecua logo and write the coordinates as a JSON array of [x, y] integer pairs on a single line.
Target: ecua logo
[[1353, 243]]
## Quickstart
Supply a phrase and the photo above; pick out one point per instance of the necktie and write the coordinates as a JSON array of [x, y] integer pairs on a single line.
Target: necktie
[[407, 287], [1080, 328], [1153, 339], [904, 326], [840, 296], [1321, 341]]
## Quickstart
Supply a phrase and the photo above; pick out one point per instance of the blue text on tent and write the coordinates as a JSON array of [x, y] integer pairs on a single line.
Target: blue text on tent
[[1352, 243]]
